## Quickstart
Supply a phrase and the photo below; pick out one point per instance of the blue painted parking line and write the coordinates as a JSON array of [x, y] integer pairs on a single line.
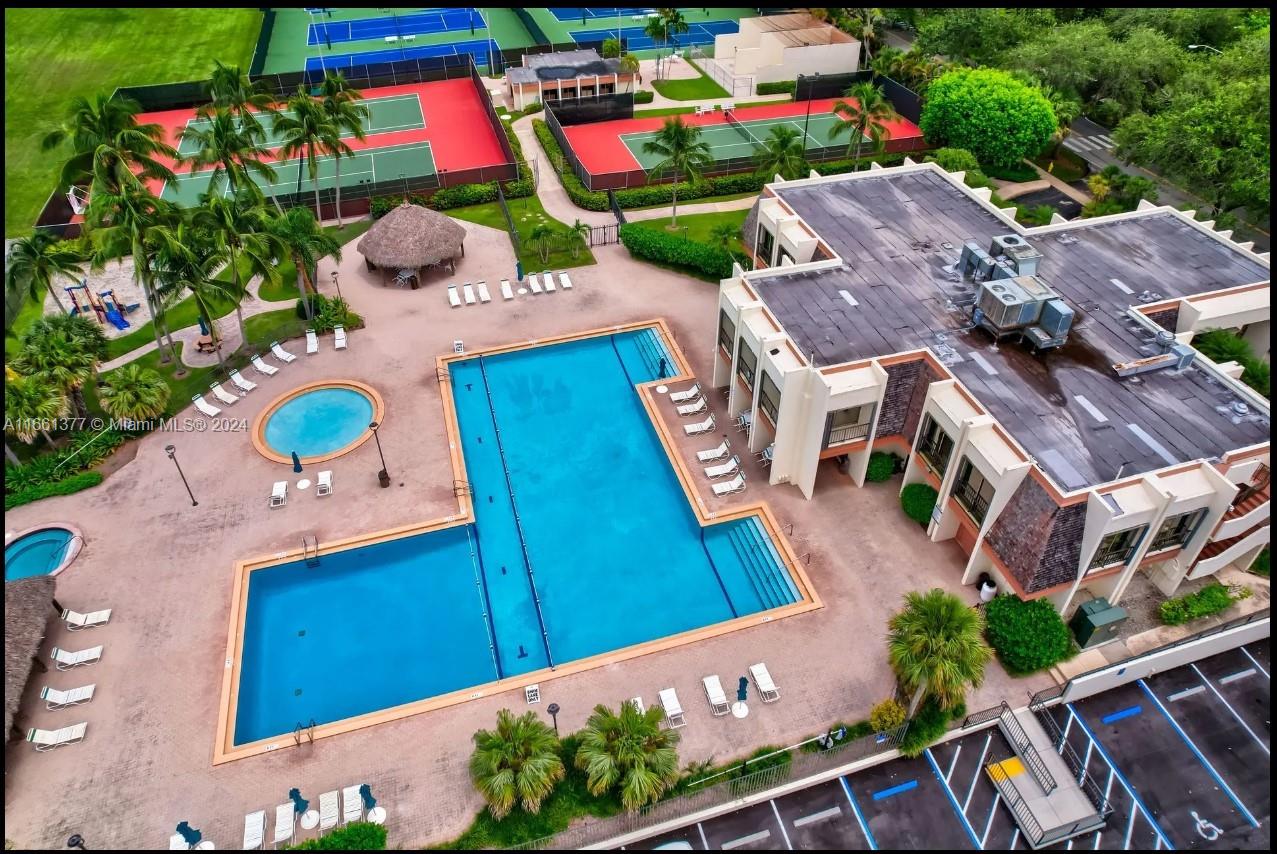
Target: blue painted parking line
[[860, 817], [895, 790], [1124, 713], [953, 802], [1258, 666], [1205, 764]]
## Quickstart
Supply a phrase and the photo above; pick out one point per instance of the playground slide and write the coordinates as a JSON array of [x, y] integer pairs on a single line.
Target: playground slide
[[117, 319]]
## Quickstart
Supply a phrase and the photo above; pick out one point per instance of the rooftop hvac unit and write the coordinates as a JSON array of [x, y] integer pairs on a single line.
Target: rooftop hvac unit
[[974, 262], [1022, 256], [1023, 305], [1057, 318]]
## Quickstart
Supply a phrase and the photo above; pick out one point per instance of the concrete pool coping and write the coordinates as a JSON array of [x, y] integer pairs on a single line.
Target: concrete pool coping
[[226, 751], [76, 542], [259, 426]]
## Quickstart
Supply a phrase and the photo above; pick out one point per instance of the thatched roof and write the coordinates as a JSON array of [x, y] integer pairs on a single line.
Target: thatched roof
[[411, 236], [27, 611]]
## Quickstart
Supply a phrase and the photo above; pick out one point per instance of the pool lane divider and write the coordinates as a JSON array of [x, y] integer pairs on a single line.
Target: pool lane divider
[[476, 561]]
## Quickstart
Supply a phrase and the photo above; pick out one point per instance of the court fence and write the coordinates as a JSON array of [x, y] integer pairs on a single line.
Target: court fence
[[258, 61]]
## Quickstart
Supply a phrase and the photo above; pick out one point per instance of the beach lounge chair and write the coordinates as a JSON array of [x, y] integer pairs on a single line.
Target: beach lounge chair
[[339, 338], [328, 814], [83, 658], [726, 469], [279, 494], [223, 395], [177, 843], [48, 739], [673, 711], [453, 299], [93, 619], [565, 280], [687, 395], [534, 282], [736, 484], [693, 408], [714, 454], [700, 427], [352, 804], [312, 342], [468, 290], [242, 384], [264, 368], [714, 693], [254, 830], [482, 288], [280, 353], [548, 277], [638, 704], [325, 486], [763, 682], [55, 699], [285, 824], [766, 455], [506, 292], [744, 421], [205, 407]]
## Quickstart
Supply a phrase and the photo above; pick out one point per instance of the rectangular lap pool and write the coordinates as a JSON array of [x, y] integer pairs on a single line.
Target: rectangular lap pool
[[582, 543]]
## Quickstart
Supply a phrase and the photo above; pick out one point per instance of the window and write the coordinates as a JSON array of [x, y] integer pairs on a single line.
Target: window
[[769, 397], [726, 332], [766, 242], [1177, 530], [1117, 547], [934, 445], [746, 364], [972, 491], [848, 425]]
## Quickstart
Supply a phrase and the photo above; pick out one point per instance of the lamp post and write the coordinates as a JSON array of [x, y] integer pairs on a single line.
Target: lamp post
[[553, 709], [76, 841], [382, 476], [1206, 47], [172, 455], [336, 285], [808, 118]]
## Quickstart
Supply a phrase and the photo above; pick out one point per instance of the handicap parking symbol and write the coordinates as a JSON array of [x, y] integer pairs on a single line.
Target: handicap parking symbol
[[1205, 829]]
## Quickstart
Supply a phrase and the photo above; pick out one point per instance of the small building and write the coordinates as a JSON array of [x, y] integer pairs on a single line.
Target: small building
[[569, 75], [782, 47], [409, 238]]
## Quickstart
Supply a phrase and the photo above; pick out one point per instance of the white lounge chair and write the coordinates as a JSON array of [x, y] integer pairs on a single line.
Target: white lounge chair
[[482, 288], [548, 277], [565, 280], [468, 290], [242, 384], [177, 842], [223, 395], [352, 804], [55, 699], [279, 494], [685, 396], [726, 469], [700, 427], [673, 711], [264, 368], [48, 739], [714, 453], [638, 704], [534, 282], [736, 484], [453, 299], [205, 407], [83, 658], [93, 619], [763, 682], [328, 813], [312, 342], [714, 693], [339, 338], [693, 408], [743, 421], [280, 353], [285, 824], [325, 485], [506, 291], [254, 830]]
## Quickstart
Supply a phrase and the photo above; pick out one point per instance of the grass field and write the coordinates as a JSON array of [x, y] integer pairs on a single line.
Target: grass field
[[694, 89], [52, 55], [528, 214], [698, 227]]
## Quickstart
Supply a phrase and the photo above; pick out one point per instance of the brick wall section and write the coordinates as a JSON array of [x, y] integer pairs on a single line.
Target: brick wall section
[[1039, 541], [902, 380], [1167, 318], [913, 415]]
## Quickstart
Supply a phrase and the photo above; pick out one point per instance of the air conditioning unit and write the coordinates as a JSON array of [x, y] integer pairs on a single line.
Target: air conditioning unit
[[1097, 622], [1026, 306], [1057, 318], [1021, 254]]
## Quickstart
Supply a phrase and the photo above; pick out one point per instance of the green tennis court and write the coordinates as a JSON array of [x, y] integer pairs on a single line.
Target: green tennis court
[[726, 142], [392, 113], [413, 160]]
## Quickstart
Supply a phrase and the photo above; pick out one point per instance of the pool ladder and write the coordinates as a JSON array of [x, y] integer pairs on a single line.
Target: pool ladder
[[310, 549], [304, 732]]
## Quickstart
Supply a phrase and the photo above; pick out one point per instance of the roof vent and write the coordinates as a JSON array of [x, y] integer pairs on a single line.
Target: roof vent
[[1240, 407]]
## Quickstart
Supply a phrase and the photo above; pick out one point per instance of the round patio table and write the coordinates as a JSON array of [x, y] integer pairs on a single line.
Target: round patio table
[[661, 389], [377, 815], [304, 483], [310, 819], [739, 709]]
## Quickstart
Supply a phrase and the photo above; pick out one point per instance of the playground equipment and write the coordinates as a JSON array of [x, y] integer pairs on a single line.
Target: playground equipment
[[73, 291], [115, 310]]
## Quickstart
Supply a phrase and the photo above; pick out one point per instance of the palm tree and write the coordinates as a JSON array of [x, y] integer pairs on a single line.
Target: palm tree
[[231, 89], [233, 149], [518, 761], [654, 29], [134, 393], [305, 243], [30, 404], [108, 145], [723, 234], [865, 25], [936, 647], [35, 263], [579, 232], [1067, 109], [541, 237], [338, 101], [629, 64], [631, 750], [782, 154], [63, 350], [305, 131], [864, 115], [187, 262], [682, 152], [240, 227]]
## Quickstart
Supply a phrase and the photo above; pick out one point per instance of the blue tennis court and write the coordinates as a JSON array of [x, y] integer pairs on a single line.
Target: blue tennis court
[[637, 39], [418, 23], [478, 49], [572, 13]]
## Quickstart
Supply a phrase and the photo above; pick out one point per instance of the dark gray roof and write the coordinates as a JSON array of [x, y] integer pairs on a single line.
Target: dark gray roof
[[27, 610], [564, 65], [890, 231]]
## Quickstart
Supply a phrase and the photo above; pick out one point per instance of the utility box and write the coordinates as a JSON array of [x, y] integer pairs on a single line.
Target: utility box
[[1097, 622]]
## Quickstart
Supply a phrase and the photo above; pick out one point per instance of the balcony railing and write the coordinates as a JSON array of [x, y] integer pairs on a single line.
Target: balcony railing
[[849, 433], [1114, 554], [1171, 539], [974, 503], [935, 455]]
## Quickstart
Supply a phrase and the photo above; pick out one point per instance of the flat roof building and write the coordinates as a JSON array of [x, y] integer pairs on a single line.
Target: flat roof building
[[566, 76], [771, 48]]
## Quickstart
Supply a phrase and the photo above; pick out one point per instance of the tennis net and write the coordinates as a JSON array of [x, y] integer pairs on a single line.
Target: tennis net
[[730, 115]]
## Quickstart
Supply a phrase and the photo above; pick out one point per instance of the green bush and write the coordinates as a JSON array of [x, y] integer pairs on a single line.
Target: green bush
[[918, 500], [317, 303], [83, 450], [1211, 599], [652, 244], [1260, 566], [1220, 345], [1027, 636], [644, 96], [887, 715], [1017, 172], [927, 725], [333, 313], [988, 112], [881, 467], [1034, 216], [356, 836], [779, 87], [66, 486], [954, 160]]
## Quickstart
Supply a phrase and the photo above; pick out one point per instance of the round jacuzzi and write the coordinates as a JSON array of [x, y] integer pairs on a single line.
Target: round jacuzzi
[[318, 421], [46, 550]]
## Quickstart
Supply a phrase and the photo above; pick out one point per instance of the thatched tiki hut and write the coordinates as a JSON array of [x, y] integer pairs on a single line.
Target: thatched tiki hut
[[28, 607], [409, 238]]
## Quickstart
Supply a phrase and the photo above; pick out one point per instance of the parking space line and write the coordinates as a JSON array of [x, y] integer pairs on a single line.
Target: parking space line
[[1130, 712], [860, 819], [1193, 747], [1015, 837], [883, 794], [1233, 677], [1187, 692], [746, 840], [781, 822], [978, 767], [952, 764], [1231, 710], [1130, 827], [997, 796], [1254, 662], [701, 829], [835, 810], [1095, 846], [1068, 724], [952, 800]]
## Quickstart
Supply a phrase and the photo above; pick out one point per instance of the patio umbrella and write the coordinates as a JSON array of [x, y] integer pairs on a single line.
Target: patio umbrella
[[190, 834], [297, 463], [742, 691], [365, 792], [203, 325], [300, 804]]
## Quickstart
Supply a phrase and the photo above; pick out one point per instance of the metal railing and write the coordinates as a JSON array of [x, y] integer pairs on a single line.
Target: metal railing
[[1070, 757], [935, 455], [970, 498], [1025, 749], [1113, 555], [849, 433], [509, 220]]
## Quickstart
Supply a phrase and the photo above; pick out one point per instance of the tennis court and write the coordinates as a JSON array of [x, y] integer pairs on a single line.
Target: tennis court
[[636, 38], [728, 141], [426, 22], [412, 160], [386, 115], [479, 49], [572, 13]]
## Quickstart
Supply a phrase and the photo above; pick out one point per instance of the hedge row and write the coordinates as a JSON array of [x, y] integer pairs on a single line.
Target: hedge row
[[84, 450], [780, 87], [356, 836], [927, 725], [66, 486], [651, 244], [644, 96], [1211, 599]]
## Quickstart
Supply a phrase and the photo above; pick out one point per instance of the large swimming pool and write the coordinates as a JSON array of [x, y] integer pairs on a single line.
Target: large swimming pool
[[583, 543]]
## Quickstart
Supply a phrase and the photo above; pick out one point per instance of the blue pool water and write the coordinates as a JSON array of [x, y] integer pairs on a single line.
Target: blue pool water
[[583, 543], [38, 553], [319, 422]]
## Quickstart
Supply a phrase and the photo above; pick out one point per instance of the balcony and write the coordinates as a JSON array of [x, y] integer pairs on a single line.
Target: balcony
[[1119, 553], [971, 500], [936, 455], [849, 433]]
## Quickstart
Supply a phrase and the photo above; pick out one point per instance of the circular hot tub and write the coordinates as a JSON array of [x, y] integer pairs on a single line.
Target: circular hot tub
[[45, 550], [318, 421]]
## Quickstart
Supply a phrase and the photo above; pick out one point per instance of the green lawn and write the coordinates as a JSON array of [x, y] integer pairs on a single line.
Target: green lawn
[[697, 227], [695, 89], [52, 55], [286, 287], [528, 214], [702, 201]]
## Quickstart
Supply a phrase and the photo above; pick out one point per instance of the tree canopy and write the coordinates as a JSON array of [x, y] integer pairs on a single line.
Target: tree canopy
[[988, 112]]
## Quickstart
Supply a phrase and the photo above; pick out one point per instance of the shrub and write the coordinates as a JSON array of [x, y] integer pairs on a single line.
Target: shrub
[[651, 244], [644, 96], [886, 716], [66, 486], [881, 467], [1027, 636], [918, 500], [1033, 216], [317, 303], [954, 160], [1211, 599], [463, 195], [1010, 172], [988, 112], [927, 725], [1260, 566], [779, 87], [84, 449], [356, 836], [1220, 345], [333, 313]]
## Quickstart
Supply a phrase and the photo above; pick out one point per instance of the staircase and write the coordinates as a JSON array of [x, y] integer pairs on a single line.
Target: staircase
[[761, 564]]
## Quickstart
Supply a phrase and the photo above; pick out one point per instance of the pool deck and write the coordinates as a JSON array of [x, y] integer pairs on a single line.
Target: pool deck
[[166, 568]]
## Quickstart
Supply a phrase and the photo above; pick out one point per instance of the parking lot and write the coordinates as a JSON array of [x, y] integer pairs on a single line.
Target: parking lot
[[1182, 758]]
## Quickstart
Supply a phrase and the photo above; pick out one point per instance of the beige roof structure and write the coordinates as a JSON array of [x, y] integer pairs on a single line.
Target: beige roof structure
[[412, 236], [27, 609]]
